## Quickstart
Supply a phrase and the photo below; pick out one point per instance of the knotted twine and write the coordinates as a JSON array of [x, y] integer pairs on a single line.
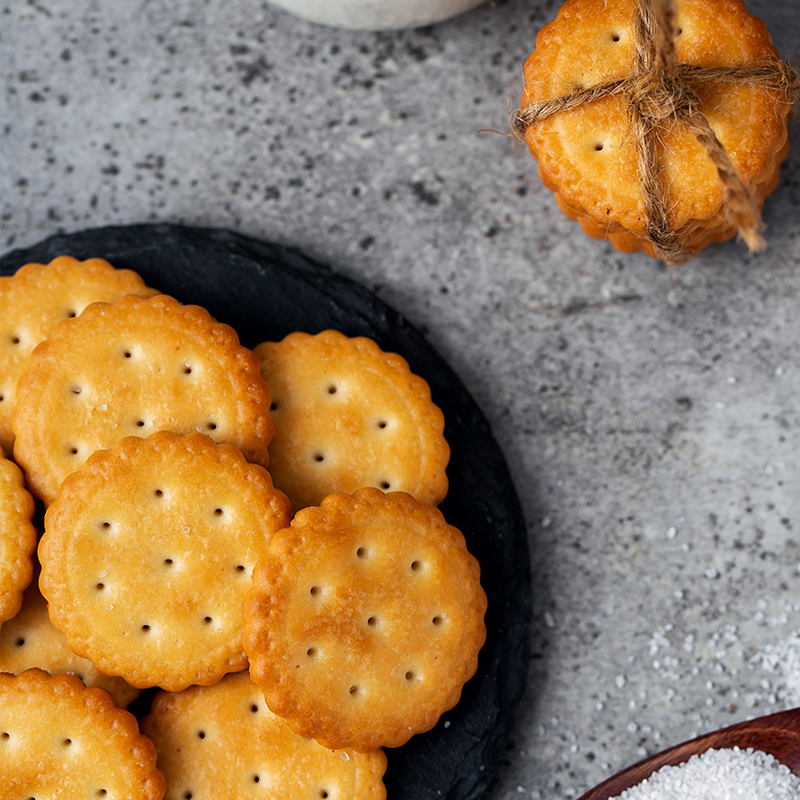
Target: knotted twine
[[661, 92]]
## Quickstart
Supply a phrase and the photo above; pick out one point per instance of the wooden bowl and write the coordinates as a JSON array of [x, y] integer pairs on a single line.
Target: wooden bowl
[[777, 734]]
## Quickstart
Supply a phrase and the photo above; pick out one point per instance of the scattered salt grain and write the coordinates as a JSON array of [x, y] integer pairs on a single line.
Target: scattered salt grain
[[723, 774], [782, 660]]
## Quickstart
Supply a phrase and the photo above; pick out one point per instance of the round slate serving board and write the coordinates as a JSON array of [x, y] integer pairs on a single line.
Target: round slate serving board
[[266, 291]]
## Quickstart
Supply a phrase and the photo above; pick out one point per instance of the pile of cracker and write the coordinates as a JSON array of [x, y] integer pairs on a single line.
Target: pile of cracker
[[251, 534]]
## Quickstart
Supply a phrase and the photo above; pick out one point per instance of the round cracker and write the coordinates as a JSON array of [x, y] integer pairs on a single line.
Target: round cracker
[[17, 537], [131, 368], [39, 296], [147, 556], [222, 741], [349, 415], [365, 620], [60, 739]]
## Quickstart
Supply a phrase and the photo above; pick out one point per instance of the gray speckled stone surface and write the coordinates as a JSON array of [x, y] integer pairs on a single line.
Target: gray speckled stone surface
[[649, 416]]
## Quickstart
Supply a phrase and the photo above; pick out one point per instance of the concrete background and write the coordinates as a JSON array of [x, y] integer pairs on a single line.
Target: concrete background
[[649, 416]]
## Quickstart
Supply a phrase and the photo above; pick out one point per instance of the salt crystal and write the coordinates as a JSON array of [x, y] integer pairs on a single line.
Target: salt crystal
[[720, 774]]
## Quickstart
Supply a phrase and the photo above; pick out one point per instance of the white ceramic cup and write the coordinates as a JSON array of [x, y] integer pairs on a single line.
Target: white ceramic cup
[[376, 15]]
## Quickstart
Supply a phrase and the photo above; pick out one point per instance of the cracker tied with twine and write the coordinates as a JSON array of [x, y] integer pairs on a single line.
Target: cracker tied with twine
[[692, 100]]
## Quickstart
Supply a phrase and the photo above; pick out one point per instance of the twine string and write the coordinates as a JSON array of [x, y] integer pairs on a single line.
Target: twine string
[[659, 93]]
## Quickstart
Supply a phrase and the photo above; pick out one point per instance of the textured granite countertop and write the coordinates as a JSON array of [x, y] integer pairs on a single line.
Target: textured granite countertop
[[649, 416]]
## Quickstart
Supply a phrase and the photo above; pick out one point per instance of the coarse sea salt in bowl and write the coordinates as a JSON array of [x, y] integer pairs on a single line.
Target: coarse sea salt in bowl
[[376, 15], [758, 759]]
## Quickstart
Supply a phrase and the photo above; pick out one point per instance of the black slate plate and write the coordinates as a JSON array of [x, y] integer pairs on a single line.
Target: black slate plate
[[266, 291]]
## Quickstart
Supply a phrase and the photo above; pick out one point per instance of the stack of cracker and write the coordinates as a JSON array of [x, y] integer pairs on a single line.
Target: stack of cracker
[[169, 460], [660, 125]]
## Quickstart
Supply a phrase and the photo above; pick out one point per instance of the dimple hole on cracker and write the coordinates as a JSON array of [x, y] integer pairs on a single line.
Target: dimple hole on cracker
[[417, 565], [372, 621], [312, 652], [332, 388], [354, 690], [315, 591], [104, 526], [385, 485], [438, 620], [362, 552], [20, 642]]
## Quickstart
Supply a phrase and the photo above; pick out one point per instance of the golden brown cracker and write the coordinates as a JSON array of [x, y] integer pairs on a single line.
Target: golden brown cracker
[[147, 556], [59, 738], [35, 299], [31, 640], [223, 742], [18, 537], [587, 154], [132, 368], [350, 415], [365, 620]]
